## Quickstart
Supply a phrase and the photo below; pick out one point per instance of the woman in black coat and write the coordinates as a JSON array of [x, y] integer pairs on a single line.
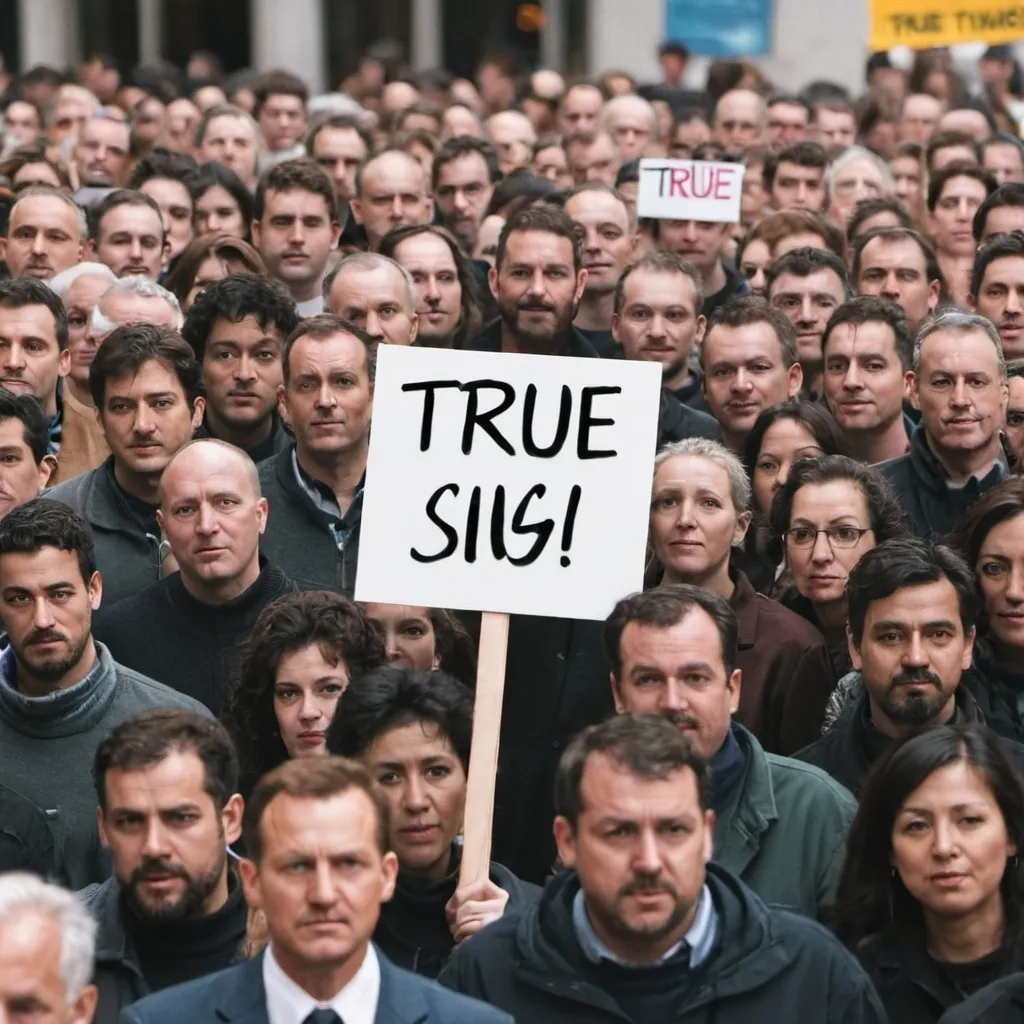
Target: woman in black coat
[[931, 898]]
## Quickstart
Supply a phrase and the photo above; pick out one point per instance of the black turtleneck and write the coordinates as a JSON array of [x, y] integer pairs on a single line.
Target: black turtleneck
[[171, 953], [169, 635]]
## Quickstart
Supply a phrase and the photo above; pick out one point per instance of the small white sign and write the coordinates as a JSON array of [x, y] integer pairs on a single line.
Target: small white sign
[[690, 190], [507, 483]]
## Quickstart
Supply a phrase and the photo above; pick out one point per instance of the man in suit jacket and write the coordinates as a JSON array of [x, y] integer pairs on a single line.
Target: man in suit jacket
[[316, 831]]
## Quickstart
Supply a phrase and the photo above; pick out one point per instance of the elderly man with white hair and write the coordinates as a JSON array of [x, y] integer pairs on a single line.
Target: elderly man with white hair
[[47, 945], [632, 123], [376, 294], [854, 175]]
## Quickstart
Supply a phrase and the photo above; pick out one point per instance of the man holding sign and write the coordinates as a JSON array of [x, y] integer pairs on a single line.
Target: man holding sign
[[694, 205]]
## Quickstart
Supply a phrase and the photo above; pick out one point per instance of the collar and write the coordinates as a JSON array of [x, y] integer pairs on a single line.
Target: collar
[[489, 340], [356, 1003], [322, 497], [240, 610], [931, 468], [699, 940], [311, 307], [744, 603]]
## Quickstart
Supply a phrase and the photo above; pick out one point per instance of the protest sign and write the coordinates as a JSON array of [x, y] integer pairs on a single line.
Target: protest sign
[[505, 483], [725, 28], [690, 190], [920, 24]]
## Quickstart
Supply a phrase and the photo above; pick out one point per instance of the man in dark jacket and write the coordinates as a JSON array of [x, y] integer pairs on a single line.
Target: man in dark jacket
[[145, 383], [315, 486], [195, 620], [174, 909], [642, 928], [26, 842], [779, 827], [912, 612], [955, 454], [1002, 1002]]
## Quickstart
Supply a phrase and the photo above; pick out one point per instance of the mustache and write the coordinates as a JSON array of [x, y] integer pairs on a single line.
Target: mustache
[[908, 676], [648, 883], [43, 636], [148, 868], [526, 304], [681, 720]]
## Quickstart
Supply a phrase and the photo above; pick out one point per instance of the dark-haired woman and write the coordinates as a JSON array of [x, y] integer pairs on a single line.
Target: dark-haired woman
[[413, 730], [932, 894], [991, 540], [302, 652]]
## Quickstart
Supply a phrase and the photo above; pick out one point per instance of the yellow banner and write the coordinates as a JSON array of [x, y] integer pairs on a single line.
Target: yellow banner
[[923, 23]]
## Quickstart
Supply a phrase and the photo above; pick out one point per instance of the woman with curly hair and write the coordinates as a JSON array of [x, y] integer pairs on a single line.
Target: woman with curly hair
[[303, 651]]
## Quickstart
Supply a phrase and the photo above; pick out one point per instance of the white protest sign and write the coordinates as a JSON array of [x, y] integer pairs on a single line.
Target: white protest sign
[[507, 483], [690, 190]]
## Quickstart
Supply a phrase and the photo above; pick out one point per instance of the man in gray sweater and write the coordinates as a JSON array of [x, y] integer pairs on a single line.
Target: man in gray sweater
[[60, 691]]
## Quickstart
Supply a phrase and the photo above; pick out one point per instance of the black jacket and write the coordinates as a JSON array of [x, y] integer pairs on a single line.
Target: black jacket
[[853, 744], [300, 538], [766, 966], [912, 987], [26, 842], [922, 485], [1002, 1002], [995, 686], [127, 555], [413, 931], [167, 634], [279, 439]]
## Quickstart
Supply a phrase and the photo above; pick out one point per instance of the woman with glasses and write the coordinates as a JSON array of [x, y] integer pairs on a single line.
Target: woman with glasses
[[699, 513], [824, 518]]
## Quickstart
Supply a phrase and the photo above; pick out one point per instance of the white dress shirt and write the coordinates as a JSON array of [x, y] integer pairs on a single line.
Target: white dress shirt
[[356, 1003]]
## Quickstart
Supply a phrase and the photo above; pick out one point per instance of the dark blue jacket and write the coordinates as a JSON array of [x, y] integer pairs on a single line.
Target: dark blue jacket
[[238, 995]]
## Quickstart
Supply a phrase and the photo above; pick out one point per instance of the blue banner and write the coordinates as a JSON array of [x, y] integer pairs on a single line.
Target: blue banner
[[721, 28]]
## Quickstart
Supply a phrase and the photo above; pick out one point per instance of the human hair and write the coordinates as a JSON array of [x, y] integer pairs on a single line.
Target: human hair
[[660, 262], [160, 163], [811, 155], [278, 83], [748, 310], [958, 169], [542, 217], [214, 175], [804, 261], [1010, 193], [471, 319], [136, 284], [311, 778], [870, 207], [648, 747], [872, 898], [151, 736], [519, 190], [181, 280], [339, 629], [21, 892], [61, 283], [122, 197], [1001, 247], [907, 562], [295, 175], [233, 299], [21, 158], [34, 422], [19, 292], [674, 48], [717, 453], [959, 322], [345, 121], [130, 346], [886, 515], [665, 607], [368, 261], [224, 110], [857, 153], [374, 156], [30, 191], [392, 696], [776, 227], [320, 328], [951, 140], [871, 309], [932, 270], [45, 523], [815, 417], [459, 146], [997, 505]]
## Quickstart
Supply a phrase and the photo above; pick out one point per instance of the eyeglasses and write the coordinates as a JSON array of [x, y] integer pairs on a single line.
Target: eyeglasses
[[838, 536]]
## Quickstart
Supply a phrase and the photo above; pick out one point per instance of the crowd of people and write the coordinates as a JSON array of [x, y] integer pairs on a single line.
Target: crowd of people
[[782, 782]]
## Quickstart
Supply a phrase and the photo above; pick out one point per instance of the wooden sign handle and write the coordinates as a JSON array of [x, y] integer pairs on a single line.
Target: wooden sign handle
[[483, 761]]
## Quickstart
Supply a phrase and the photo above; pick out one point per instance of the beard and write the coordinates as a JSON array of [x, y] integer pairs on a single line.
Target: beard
[[544, 339], [917, 708], [189, 904], [615, 923], [53, 669]]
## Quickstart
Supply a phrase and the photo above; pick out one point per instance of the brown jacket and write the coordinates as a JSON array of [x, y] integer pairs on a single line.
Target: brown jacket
[[82, 444], [787, 675]]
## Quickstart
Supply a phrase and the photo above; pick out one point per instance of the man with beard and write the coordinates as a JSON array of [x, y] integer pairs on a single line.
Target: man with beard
[[173, 910], [912, 608], [643, 926], [61, 692], [779, 827], [464, 175]]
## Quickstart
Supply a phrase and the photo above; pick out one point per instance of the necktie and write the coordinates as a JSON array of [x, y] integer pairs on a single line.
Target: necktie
[[323, 1017]]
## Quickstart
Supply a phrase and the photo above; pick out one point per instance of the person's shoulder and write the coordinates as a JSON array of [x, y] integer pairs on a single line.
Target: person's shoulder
[[808, 783], [821, 749], [1002, 1002], [267, 468], [143, 692], [194, 1000], [896, 470], [787, 624], [72, 492], [400, 988]]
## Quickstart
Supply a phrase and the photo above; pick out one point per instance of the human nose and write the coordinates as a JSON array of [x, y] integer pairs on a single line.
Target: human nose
[[206, 521], [674, 696], [396, 208], [647, 858], [135, 247], [806, 314], [246, 368], [39, 242], [415, 793], [1012, 302], [325, 396], [155, 843], [851, 379], [963, 211], [914, 653], [297, 233], [15, 357], [821, 550], [1015, 585], [42, 614], [742, 381], [890, 288], [321, 890], [143, 419], [657, 328], [944, 842], [460, 201], [309, 709], [537, 282], [433, 292], [373, 325], [960, 396]]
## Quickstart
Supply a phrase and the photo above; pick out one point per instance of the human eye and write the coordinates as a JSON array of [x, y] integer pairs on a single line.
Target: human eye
[[1015, 419], [639, 313], [710, 503], [77, 320], [227, 502], [286, 693], [801, 535], [916, 826], [387, 778], [266, 356], [665, 502], [876, 366], [438, 771], [844, 534], [939, 383], [331, 689], [10, 459], [163, 403], [180, 511], [767, 465]]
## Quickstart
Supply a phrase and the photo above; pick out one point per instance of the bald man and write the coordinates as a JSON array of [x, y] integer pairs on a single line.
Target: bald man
[[513, 137], [632, 123], [740, 121], [376, 294], [391, 190], [186, 629]]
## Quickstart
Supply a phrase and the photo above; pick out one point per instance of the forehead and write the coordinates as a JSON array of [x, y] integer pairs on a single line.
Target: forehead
[[892, 252], [744, 342], [629, 112], [135, 217], [86, 289], [597, 206], [788, 167], [22, 109], [959, 351], [739, 103], [338, 140], [410, 741], [33, 319], [45, 210], [167, 189], [310, 354], [425, 249], [154, 376], [788, 111], [692, 472], [248, 328], [43, 567], [282, 100], [104, 128], [466, 167], [921, 105], [583, 98], [363, 282], [30, 950], [1004, 219], [315, 826], [921, 602], [1017, 389], [1007, 268], [537, 247], [874, 336], [12, 433], [824, 280], [295, 200], [394, 170], [1005, 151], [178, 776], [859, 169], [833, 116], [228, 126], [127, 307], [658, 285], [822, 502], [609, 790], [962, 185], [206, 468], [694, 637]]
